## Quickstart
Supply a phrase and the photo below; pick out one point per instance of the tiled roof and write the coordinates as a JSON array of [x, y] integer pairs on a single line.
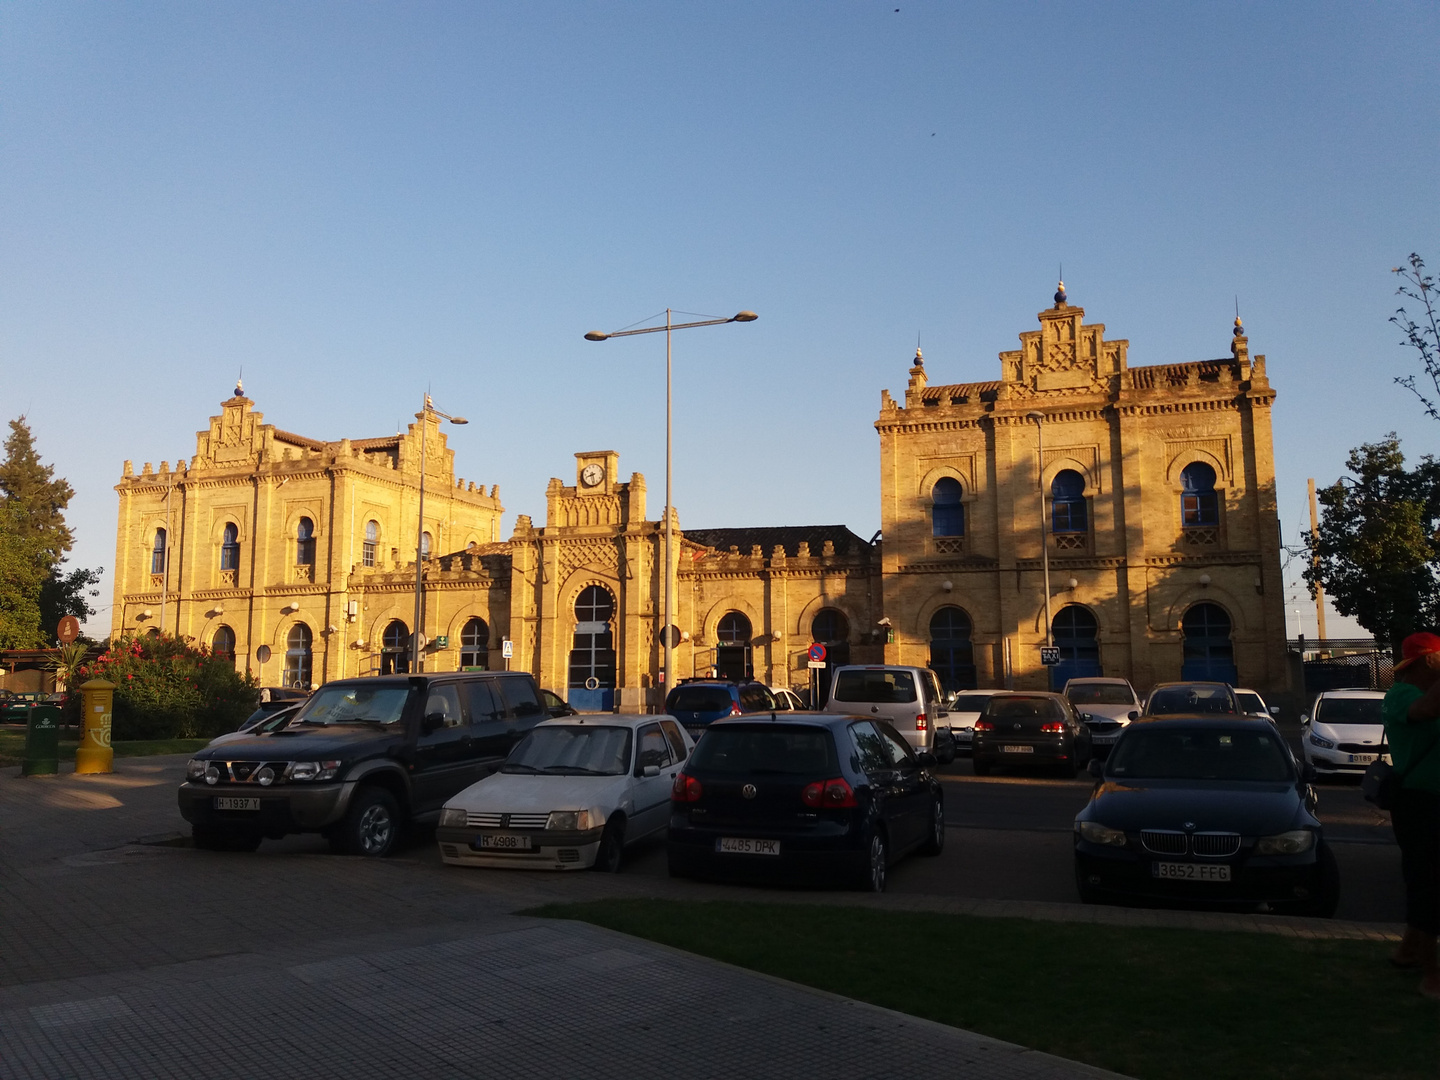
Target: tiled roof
[[788, 536]]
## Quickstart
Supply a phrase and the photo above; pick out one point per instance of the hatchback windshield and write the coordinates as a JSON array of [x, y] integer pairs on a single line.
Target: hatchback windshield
[[572, 750], [970, 703], [1250, 703], [1199, 753], [700, 699], [1351, 710], [1170, 700], [1100, 694], [353, 704], [874, 687], [771, 750]]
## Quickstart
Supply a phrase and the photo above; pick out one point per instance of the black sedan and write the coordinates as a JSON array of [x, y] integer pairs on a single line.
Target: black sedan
[[807, 796], [1208, 811], [1031, 729]]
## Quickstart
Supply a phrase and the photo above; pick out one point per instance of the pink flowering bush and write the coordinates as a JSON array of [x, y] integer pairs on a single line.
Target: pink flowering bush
[[168, 688]]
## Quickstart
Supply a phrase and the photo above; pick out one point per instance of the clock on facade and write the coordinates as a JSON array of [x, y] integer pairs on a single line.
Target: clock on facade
[[592, 474]]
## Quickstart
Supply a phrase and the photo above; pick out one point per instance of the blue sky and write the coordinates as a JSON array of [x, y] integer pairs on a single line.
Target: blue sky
[[357, 201]]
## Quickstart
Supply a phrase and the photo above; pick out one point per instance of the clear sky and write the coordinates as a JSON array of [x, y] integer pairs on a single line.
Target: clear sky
[[357, 201]]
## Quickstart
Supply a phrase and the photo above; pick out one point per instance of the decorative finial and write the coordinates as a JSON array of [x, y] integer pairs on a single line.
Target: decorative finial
[[239, 387], [1060, 294], [919, 360], [1239, 327]]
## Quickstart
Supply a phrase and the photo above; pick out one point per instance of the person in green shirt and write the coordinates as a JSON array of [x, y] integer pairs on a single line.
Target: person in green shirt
[[1410, 711]]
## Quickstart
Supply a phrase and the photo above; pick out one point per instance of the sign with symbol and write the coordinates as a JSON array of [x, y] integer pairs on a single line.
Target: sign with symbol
[[442, 641], [1049, 655], [817, 652], [68, 630], [507, 648]]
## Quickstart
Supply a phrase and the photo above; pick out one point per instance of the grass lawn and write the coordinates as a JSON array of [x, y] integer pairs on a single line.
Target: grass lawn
[[1153, 1004], [12, 747]]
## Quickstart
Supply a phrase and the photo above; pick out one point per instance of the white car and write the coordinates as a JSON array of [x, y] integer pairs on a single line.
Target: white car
[[1110, 704], [1252, 704], [1343, 733], [574, 793], [787, 700], [965, 708]]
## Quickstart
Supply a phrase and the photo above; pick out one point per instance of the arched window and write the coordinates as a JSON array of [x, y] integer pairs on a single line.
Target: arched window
[[297, 657], [424, 545], [947, 514], [222, 644], [1209, 652], [305, 543], [474, 645], [952, 656], [395, 649], [1077, 636], [230, 548], [372, 536], [1067, 503], [734, 658], [157, 553], [829, 627], [1199, 504], [592, 651]]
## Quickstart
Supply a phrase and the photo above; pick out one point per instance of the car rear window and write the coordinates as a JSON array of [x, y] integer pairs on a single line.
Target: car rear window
[[1251, 703], [756, 699], [1349, 711], [1208, 753], [700, 699], [874, 687], [1021, 707], [774, 750]]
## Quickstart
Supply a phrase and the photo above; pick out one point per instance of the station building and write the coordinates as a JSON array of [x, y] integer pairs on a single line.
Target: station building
[[1153, 500]]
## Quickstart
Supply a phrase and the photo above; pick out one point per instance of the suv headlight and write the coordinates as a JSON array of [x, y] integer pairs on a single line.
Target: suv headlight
[[568, 820], [452, 817], [195, 769], [1287, 843], [1321, 741], [1096, 833], [312, 770]]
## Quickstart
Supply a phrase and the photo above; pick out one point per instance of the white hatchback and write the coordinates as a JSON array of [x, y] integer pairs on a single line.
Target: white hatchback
[[1344, 731], [574, 793]]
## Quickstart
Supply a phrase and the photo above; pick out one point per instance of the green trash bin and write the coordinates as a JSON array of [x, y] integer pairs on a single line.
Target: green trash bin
[[42, 742]]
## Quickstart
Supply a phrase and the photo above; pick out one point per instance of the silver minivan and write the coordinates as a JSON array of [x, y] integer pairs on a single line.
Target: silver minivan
[[908, 697]]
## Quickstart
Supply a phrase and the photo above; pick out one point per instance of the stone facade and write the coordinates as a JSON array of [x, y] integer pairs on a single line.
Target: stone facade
[[1156, 487]]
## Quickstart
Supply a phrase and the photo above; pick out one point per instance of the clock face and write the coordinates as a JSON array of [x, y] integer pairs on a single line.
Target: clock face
[[592, 474]]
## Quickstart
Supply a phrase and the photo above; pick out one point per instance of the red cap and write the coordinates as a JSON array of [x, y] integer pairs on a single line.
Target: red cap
[[1415, 646]]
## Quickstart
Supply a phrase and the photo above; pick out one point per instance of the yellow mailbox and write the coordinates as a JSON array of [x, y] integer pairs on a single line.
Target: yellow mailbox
[[94, 754]]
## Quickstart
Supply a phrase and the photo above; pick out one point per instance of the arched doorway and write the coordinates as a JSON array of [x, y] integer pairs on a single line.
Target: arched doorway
[[1077, 636], [474, 646], [592, 653], [395, 649], [952, 656], [830, 628], [222, 644], [734, 659], [1209, 652], [297, 657]]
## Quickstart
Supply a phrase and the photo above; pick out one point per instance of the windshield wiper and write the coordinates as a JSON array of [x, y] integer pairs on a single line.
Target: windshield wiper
[[574, 770], [516, 767]]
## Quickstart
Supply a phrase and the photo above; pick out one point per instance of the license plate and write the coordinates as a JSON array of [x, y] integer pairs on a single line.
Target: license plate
[[224, 802], [1362, 759], [1102, 740], [504, 843], [734, 845], [1017, 749], [1189, 871]]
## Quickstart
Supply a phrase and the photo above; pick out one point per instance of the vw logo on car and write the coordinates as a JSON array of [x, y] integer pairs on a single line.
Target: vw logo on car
[[749, 791]]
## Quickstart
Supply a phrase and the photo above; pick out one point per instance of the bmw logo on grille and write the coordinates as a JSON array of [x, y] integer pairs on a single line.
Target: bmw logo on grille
[[1189, 826], [749, 791]]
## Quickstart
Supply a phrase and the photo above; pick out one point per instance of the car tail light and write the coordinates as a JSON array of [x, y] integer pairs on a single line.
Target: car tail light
[[984, 725], [920, 722], [1052, 728], [829, 794], [735, 709], [685, 789]]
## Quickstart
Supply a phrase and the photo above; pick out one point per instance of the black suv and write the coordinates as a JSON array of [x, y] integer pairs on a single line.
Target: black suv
[[361, 759]]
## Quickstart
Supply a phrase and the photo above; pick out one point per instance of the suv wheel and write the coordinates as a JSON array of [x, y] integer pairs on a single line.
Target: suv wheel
[[372, 824]]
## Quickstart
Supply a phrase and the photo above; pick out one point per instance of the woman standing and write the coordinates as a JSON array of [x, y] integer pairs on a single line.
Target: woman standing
[[1410, 711]]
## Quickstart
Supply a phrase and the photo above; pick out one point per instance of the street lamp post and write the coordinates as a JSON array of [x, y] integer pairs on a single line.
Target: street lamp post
[[423, 415], [595, 335], [1039, 419]]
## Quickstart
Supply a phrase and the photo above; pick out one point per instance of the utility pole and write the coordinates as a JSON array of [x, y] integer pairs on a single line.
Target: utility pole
[[1319, 589]]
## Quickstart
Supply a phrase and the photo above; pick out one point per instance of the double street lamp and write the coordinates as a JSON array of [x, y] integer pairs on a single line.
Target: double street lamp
[[416, 638], [667, 637]]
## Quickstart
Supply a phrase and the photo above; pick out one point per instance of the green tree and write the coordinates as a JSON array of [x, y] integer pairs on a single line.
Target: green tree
[[1422, 336], [22, 577], [1376, 551], [37, 493]]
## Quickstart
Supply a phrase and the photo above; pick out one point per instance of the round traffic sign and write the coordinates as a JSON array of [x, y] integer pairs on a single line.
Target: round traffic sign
[[817, 651], [68, 630], [262, 654]]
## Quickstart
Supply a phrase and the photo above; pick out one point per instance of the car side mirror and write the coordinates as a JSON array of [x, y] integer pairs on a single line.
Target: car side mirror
[[650, 770], [1086, 718], [1274, 710], [926, 759], [432, 723], [1134, 715], [1097, 768], [1304, 719]]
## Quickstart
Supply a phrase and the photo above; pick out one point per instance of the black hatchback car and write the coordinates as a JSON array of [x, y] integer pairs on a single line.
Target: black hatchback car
[[1031, 729], [698, 703], [807, 796], [1204, 810]]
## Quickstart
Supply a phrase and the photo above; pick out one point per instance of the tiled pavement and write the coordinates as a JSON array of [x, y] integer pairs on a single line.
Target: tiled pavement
[[137, 959]]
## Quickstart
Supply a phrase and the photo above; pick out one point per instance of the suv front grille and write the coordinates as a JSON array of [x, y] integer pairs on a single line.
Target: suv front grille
[[251, 772], [505, 821], [1359, 748]]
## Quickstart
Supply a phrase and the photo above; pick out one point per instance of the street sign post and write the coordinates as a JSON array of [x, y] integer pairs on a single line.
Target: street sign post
[[817, 652], [68, 630], [1049, 655], [507, 650]]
